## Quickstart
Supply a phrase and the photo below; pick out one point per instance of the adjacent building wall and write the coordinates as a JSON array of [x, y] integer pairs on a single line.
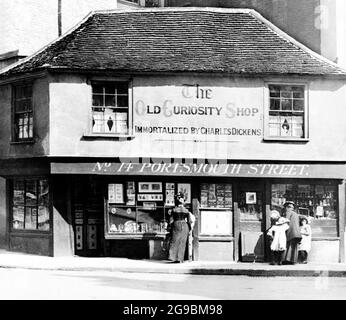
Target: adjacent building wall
[[70, 108], [319, 24], [41, 123]]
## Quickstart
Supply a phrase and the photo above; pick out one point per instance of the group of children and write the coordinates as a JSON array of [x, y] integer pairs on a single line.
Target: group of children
[[277, 234]]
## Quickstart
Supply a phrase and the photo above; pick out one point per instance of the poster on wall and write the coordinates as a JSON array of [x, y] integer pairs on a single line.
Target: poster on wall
[[119, 193], [169, 197], [216, 222], [111, 193], [185, 188], [130, 194]]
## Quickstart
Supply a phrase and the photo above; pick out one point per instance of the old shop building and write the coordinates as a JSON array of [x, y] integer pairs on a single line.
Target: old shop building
[[103, 126]]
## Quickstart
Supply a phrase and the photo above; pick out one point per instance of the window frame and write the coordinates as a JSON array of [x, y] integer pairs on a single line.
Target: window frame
[[14, 134], [11, 229], [266, 135], [101, 80]]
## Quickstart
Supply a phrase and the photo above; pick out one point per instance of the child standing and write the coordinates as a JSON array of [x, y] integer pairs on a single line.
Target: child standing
[[278, 246], [305, 244]]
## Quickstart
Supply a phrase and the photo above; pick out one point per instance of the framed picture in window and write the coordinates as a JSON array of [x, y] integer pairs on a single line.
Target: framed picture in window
[[185, 188], [144, 187], [251, 198]]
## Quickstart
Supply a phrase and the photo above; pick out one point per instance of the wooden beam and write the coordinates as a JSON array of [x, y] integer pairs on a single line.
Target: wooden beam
[[236, 221], [195, 232], [267, 201]]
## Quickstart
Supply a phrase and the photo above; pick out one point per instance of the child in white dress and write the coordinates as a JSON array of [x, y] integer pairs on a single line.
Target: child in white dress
[[278, 234], [305, 244]]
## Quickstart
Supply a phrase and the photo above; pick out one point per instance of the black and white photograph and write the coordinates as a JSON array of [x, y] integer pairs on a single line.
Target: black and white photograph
[[172, 155]]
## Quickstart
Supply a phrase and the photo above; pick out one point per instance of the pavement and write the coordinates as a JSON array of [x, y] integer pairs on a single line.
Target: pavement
[[28, 261]]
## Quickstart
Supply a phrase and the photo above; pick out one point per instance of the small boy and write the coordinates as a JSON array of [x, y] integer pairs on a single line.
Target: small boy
[[278, 234]]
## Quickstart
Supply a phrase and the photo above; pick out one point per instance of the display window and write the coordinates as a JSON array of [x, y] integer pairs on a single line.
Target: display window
[[319, 202], [216, 202], [30, 204], [142, 207]]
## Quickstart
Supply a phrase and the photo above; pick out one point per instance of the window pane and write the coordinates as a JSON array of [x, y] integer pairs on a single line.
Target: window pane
[[97, 100], [18, 192], [304, 201], [97, 122], [30, 218], [298, 92], [110, 100], [326, 203], [18, 217], [110, 88], [122, 101], [23, 105], [122, 88], [97, 88], [274, 104], [298, 105], [43, 218], [298, 126], [31, 193], [286, 104], [286, 94], [43, 197], [280, 194]]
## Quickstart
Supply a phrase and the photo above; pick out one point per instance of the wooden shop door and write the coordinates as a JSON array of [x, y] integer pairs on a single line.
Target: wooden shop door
[[88, 217], [251, 212]]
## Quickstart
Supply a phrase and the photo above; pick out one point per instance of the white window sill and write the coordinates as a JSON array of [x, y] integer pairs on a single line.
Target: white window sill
[[286, 139], [106, 136]]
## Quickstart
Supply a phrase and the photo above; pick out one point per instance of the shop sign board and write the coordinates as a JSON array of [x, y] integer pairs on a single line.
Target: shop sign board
[[197, 111], [264, 170]]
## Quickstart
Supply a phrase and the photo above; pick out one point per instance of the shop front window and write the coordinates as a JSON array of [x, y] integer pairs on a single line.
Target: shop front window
[[110, 107], [316, 201], [286, 112], [30, 205], [216, 209], [142, 207]]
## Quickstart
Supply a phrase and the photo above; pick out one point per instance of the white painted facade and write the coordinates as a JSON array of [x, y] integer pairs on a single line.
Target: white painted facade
[[70, 102]]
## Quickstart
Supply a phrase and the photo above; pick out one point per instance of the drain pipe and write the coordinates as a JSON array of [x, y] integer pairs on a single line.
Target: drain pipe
[[59, 18]]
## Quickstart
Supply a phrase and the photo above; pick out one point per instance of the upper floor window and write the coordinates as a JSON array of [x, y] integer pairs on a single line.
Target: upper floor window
[[110, 107], [287, 112], [22, 112]]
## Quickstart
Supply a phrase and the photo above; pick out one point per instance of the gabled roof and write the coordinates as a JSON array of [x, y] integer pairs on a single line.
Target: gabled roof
[[237, 41]]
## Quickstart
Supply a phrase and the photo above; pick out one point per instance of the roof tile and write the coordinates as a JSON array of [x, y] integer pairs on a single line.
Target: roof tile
[[230, 41]]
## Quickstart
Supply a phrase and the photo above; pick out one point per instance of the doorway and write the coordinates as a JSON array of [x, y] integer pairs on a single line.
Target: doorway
[[251, 210]]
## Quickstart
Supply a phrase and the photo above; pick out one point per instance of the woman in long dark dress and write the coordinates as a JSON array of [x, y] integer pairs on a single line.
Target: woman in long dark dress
[[180, 230], [293, 234]]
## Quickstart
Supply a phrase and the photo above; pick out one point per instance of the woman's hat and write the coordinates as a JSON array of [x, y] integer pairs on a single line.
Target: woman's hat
[[282, 220], [274, 214], [180, 195], [289, 202]]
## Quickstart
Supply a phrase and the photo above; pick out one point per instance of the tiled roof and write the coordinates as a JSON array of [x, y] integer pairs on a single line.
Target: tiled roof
[[237, 41]]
